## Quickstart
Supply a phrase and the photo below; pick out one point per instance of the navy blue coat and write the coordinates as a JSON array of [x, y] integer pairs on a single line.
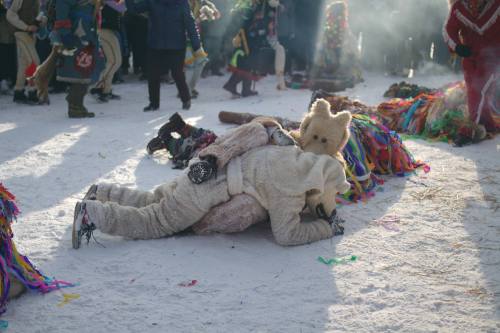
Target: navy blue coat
[[170, 23]]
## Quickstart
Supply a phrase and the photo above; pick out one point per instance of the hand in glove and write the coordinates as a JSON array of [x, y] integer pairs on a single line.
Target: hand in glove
[[279, 137], [334, 220], [203, 170], [463, 50]]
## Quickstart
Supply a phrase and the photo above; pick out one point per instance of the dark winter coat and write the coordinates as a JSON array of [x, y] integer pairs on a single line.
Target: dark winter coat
[[111, 19], [170, 23], [75, 28]]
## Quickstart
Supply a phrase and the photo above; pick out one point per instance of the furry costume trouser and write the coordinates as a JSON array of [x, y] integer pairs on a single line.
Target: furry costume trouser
[[111, 48], [171, 208], [481, 81], [26, 55]]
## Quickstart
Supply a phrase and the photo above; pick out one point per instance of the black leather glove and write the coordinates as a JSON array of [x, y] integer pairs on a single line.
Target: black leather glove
[[334, 220], [463, 50]]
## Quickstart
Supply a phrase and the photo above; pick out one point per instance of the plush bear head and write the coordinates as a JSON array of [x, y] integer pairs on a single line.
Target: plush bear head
[[321, 132]]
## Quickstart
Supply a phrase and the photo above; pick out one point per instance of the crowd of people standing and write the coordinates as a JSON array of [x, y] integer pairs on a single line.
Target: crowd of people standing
[[97, 43]]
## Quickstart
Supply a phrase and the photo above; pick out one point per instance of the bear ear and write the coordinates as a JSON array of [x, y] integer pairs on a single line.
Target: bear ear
[[321, 107], [344, 118]]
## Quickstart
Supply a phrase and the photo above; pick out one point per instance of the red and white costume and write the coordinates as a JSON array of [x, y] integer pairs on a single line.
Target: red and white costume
[[478, 26]]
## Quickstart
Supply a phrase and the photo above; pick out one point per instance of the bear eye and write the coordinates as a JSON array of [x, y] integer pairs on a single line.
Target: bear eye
[[323, 140], [315, 137]]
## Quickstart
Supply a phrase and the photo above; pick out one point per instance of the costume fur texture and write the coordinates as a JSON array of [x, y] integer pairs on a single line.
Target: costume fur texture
[[43, 75], [318, 125]]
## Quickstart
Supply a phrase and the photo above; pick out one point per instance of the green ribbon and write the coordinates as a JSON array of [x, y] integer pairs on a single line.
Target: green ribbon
[[337, 261]]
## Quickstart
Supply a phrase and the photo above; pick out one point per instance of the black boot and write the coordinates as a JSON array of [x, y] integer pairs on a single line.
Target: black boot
[[155, 144], [32, 97], [20, 97], [113, 97], [151, 107], [175, 124], [247, 88], [96, 91], [102, 97], [75, 98], [186, 105], [231, 85]]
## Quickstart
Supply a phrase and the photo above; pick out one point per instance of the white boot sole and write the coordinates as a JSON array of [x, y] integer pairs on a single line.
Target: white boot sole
[[77, 223]]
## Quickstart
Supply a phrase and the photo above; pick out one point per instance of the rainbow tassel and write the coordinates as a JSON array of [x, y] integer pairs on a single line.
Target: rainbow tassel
[[12, 263]]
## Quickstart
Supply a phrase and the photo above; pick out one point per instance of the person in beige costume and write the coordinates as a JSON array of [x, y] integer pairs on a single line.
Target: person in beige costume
[[23, 15], [283, 179]]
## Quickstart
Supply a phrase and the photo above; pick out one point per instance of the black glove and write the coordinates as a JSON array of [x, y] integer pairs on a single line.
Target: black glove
[[463, 50], [334, 220], [203, 170]]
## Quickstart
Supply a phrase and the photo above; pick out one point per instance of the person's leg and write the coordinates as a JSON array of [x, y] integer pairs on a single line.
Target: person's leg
[[154, 77], [279, 65], [3, 61], [128, 197], [108, 54], [232, 83], [246, 90], [111, 48], [12, 63], [76, 95], [182, 205], [141, 54], [486, 82], [26, 55], [176, 61], [198, 66]]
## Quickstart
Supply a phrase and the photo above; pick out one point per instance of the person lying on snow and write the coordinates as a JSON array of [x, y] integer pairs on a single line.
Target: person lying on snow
[[283, 179]]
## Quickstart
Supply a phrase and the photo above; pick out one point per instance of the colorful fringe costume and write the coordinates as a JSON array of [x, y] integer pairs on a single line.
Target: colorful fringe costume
[[14, 265], [373, 150], [406, 90], [440, 114], [337, 64]]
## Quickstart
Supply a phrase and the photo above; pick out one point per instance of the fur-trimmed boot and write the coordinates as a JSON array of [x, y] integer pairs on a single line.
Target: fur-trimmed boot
[[75, 98]]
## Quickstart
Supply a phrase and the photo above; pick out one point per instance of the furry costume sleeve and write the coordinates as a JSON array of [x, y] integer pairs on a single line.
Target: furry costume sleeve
[[236, 142]]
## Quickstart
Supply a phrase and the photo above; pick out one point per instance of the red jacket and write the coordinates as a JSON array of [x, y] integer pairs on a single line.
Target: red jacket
[[480, 32]]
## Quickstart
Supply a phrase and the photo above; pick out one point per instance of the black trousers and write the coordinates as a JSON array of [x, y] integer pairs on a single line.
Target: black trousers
[[160, 62], [137, 35], [8, 58]]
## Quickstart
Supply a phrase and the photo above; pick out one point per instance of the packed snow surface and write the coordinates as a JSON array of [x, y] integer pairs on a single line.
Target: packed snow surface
[[436, 270]]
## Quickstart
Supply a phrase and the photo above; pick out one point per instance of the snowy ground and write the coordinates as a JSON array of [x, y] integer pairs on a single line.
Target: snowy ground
[[438, 270]]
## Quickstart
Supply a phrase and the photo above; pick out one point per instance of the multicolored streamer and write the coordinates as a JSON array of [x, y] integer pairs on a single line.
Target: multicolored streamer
[[374, 150], [12, 263]]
